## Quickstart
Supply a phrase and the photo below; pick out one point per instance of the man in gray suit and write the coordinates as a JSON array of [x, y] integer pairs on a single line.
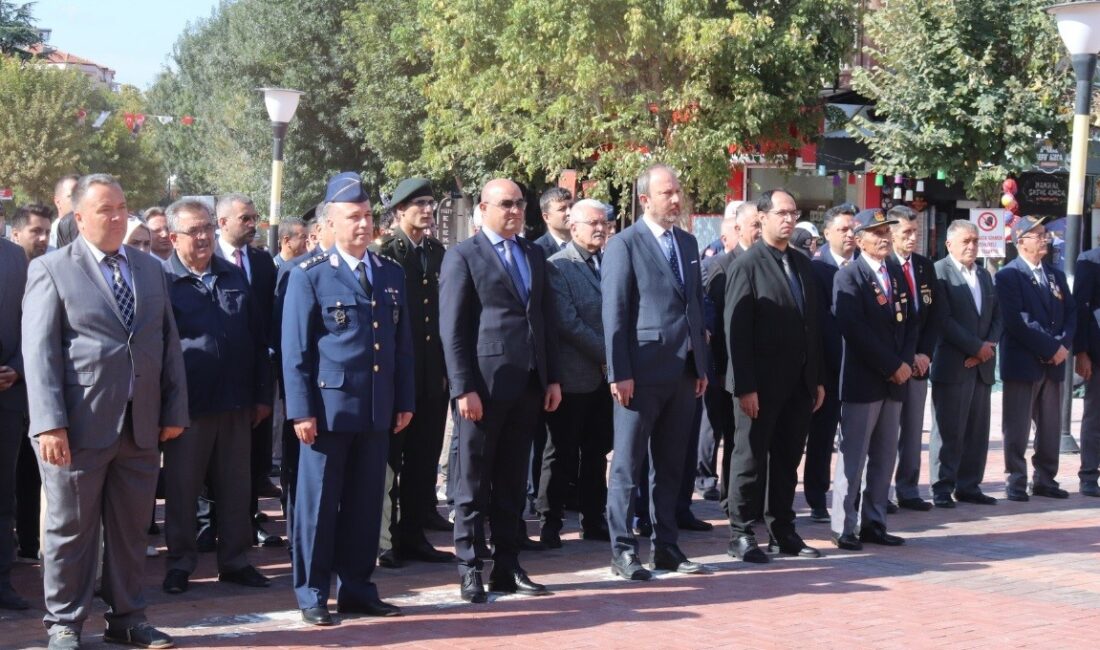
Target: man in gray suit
[[580, 430], [962, 371], [656, 365], [13, 407], [103, 360]]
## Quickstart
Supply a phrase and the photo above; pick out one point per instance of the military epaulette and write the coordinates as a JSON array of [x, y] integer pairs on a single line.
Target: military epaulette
[[314, 261], [386, 259], [434, 242]]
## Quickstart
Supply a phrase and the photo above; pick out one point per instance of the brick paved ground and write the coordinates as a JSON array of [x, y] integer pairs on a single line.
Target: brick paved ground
[[1011, 575]]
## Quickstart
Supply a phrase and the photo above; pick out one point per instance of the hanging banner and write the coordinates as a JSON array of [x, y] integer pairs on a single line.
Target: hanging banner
[[991, 231], [99, 121]]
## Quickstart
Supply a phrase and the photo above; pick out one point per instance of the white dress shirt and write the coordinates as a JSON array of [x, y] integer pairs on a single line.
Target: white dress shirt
[[971, 277], [227, 251]]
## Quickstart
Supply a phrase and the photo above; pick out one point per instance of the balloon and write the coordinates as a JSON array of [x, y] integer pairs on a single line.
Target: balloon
[[1007, 199], [1009, 186], [1013, 207]]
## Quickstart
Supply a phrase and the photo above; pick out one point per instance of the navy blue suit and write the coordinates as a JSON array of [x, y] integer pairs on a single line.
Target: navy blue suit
[[1038, 319], [1086, 293], [654, 334], [348, 362], [503, 350]]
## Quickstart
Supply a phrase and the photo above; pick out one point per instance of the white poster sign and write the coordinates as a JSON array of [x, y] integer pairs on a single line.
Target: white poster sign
[[991, 231]]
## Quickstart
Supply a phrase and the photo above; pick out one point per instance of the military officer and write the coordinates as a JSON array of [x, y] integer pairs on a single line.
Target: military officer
[[414, 454], [348, 373]]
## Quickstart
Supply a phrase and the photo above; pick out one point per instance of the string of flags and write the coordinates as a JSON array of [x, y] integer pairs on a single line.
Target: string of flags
[[134, 121]]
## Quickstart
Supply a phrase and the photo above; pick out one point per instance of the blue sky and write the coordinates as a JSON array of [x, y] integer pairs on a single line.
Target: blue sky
[[132, 37]]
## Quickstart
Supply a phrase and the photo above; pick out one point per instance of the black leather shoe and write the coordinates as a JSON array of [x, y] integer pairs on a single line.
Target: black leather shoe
[[1051, 492], [695, 524], [550, 537], [746, 549], [516, 582], [424, 552], [976, 497], [891, 508], [671, 558], [644, 528], [9, 599], [65, 639], [595, 533], [471, 588], [266, 539], [246, 576], [373, 608], [141, 635], [847, 542], [389, 560], [876, 535], [1090, 489], [175, 582], [435, 521], [206, 541], [528, 544], [712, 494], [628, 566], [793, 546], [1022, 497], [943, 501], [916, 503], [820, 515], [317, 616]]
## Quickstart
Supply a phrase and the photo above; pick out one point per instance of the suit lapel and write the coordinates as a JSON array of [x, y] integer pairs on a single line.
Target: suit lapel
[[985, 281], [1034, 286], [492, 260], [686, 263], [887, 309], [959, 286], [651, 246], [344, 274], [86, 261]]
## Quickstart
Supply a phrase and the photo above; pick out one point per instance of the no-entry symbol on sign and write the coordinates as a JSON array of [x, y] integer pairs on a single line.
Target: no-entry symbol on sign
[[991, 231]]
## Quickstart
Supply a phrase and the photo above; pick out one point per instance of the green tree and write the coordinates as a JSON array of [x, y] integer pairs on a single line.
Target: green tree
[[221, 62], [40, 139], [966, 86], [17, 28], [527, 88]]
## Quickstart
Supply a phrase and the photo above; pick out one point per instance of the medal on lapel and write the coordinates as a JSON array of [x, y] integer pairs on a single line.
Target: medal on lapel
[[879, 297], [1054, 288], [901, 300], [925, 294]]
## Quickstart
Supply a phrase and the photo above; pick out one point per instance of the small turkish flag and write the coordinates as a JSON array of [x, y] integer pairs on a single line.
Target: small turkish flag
[[129, 118], [187, 120]]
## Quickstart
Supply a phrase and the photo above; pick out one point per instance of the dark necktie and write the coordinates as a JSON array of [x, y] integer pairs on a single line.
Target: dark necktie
[[884, 277], [908, 268], [673, 260], [364, 281], [513, 270], [124, 297], [792, 281], [591, 262], [422, 254]]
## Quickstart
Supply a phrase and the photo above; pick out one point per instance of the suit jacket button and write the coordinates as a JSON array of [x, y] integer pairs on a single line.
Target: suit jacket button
[[427, 319], [425, 301], [428, 337], [425, 282], [375, 324], [322, 384], [376, 367], [377, 346]]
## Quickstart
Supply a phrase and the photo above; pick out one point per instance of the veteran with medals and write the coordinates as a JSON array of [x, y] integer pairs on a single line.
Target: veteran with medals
[[872, 305], [348, 370]]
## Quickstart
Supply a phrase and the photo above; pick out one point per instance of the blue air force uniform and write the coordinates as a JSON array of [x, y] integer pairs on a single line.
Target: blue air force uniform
[[347, 361]]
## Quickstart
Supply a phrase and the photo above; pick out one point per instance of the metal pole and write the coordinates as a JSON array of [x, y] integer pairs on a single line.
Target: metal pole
[[1084, 67], [275, 211]]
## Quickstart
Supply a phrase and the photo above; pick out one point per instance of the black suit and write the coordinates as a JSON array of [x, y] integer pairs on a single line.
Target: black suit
[[778, 357], [717, 426], [819, 444], [504, 350], [414, 452]]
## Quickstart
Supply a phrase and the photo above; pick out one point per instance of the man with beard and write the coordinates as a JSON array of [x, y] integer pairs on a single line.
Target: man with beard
[[775, 373], [656, 366]]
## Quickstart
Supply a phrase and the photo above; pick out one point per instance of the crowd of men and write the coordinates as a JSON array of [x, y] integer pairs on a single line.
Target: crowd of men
[[158, 349]]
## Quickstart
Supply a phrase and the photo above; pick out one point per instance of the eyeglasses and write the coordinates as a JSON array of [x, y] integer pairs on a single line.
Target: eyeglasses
[[1045, 236], [788, 215], [596, 223], [424, 203], [508, 204], [197, 231]]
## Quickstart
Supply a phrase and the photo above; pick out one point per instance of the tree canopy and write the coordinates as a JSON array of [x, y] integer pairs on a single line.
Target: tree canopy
[[966, 86], [17, 28]]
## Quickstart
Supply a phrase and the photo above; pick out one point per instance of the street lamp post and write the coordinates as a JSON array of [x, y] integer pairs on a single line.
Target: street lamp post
[[281, 105], [1079, 27]]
